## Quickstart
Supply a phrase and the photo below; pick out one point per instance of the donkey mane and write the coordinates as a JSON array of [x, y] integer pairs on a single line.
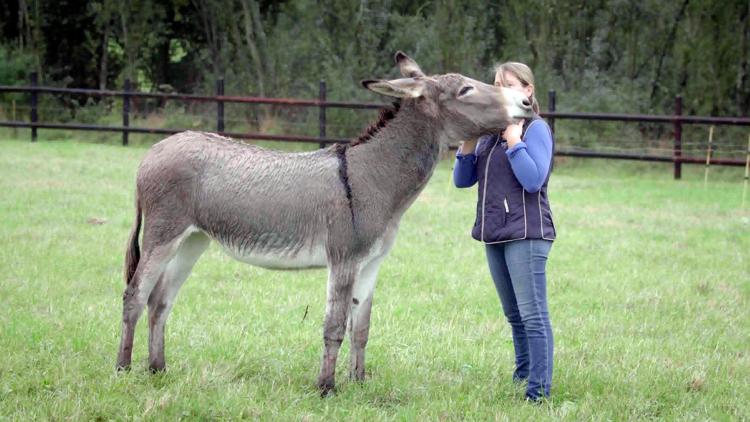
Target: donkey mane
[[386, 114]]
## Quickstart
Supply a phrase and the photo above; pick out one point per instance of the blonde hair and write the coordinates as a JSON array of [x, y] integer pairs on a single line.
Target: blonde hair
[[523, 73]]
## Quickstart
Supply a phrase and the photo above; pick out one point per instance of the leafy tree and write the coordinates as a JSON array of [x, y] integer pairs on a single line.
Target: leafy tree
[[612, 55]]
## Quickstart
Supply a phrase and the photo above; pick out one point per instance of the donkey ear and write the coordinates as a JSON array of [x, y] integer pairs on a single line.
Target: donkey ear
[[399, 88], [409, 68]]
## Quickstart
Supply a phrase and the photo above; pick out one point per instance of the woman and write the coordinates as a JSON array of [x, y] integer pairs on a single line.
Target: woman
[[514, 222]]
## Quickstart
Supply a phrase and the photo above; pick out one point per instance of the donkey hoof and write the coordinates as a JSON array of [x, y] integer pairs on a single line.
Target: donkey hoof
[[155, 369], [327, 390], [357, 375], [123, 367]]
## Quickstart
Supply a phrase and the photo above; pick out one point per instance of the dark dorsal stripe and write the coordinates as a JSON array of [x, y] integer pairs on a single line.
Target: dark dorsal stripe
[[386, 114], [340, 150]]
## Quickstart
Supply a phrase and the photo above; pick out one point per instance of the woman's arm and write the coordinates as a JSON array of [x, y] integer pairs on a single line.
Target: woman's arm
[[465, 168], [530, 159]]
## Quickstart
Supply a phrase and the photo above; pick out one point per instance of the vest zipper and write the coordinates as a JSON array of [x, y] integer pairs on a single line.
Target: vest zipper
[[484, 193]]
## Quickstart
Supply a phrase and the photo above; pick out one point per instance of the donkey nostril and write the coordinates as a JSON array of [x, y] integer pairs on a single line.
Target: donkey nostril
[[526, 103]]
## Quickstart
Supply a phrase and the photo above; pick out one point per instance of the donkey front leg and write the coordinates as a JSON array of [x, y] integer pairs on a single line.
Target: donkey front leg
[[340, 281], [359, 325]]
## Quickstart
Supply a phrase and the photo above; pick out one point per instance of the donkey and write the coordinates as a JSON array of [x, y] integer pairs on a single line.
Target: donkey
[[338, 207]]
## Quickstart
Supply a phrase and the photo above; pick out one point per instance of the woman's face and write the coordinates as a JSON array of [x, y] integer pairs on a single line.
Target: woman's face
[[512, 82]]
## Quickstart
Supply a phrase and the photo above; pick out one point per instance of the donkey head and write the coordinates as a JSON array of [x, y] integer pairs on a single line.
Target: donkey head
[[465, 108]]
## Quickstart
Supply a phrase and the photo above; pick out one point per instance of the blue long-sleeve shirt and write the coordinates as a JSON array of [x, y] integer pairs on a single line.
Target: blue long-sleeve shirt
[[529, 160]]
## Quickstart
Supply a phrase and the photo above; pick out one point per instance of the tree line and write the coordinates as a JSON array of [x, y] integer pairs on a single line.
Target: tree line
[[600, 55]]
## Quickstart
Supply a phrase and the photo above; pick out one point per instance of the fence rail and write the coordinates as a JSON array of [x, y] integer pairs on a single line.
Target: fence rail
[[220, 99]]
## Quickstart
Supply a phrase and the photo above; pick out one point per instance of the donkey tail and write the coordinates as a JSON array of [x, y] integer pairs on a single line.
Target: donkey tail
[[133, 253]]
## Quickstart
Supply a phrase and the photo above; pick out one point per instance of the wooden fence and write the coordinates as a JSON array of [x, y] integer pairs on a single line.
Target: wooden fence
[[322, 104]]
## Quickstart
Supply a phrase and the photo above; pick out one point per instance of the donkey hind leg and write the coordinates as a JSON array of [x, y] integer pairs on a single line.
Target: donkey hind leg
[[150, 268], [162, 297], [359, 322], [340, 281]]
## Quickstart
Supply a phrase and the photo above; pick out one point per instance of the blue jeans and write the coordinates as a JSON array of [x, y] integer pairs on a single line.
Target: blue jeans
[[518, 270]]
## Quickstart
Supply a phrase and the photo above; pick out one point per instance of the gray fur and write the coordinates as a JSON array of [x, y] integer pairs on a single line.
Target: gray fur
[[298, 210]]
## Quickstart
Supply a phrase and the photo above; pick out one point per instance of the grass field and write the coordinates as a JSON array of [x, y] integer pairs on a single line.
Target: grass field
[[649, 289]]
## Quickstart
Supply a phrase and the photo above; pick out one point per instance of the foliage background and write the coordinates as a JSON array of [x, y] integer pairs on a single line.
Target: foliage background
[[603, 55], [612, 55]]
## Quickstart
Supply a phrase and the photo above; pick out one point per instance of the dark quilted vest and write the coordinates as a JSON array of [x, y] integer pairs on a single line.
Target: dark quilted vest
[[505, 211]]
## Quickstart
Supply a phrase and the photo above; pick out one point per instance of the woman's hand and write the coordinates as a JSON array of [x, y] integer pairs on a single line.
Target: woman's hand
[[512, 133]]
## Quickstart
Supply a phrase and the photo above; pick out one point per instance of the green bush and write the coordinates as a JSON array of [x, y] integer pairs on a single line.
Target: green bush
[[14, 68]]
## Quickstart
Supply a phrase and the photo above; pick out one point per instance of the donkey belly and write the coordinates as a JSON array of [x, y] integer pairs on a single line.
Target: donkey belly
[[269, 212], [309, 255], [267, 235], [283, 260]]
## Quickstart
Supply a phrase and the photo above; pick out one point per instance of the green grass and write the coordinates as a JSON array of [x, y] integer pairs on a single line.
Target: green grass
[[648, 287]]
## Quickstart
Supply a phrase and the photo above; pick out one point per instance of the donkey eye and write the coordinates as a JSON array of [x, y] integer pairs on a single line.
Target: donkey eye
[[465, 90]]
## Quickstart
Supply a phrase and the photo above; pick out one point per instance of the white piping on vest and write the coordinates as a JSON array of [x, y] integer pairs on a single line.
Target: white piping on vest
[[529, 127], [541, 222], [541, 219], [523, 195], [484, 198], [539, 194]]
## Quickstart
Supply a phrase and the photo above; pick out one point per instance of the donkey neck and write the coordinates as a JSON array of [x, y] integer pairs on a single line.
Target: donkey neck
[[396, 163]]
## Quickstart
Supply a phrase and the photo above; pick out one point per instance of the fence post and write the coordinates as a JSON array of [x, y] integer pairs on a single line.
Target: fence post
[[15, 129], [322, 112], [551, 97], [747, 172], [677, 156], [125, 112], [220, 105], [34, 115], [551, 100]]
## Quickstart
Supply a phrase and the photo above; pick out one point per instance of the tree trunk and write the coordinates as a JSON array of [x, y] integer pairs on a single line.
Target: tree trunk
[[126, 43], [208, 17], [103, 61], [38, 38], [21, 22], [33, 33], [669, 42], [742, 87], [253, 47]]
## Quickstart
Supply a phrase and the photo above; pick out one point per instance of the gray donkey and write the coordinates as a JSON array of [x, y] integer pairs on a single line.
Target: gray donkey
[[338, 207]]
